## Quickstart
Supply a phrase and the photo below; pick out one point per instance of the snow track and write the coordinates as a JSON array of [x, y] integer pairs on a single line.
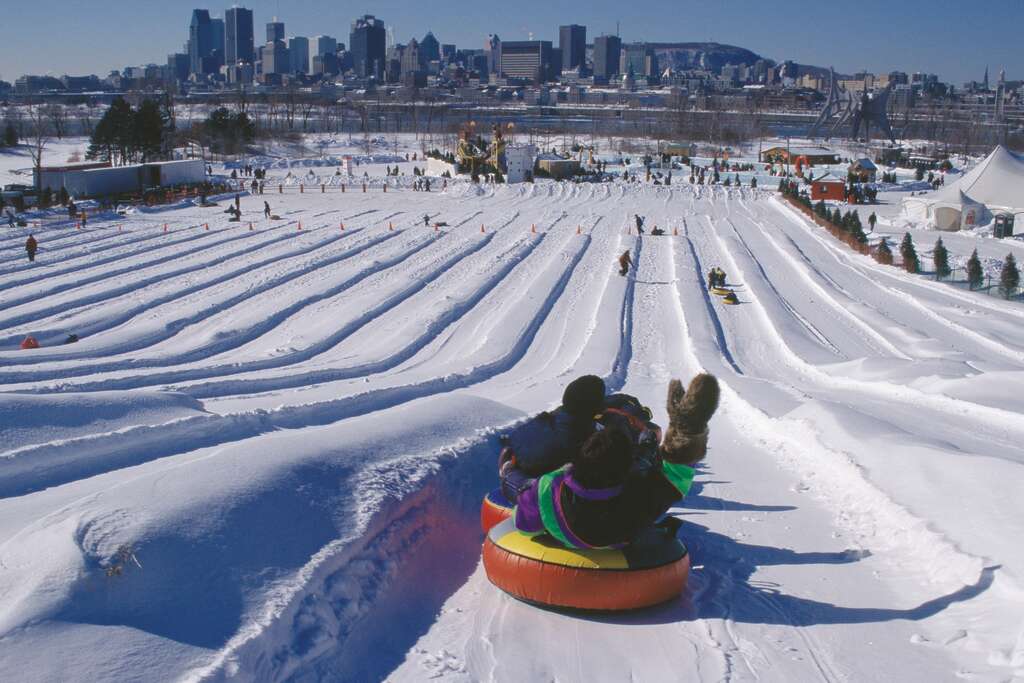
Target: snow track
[[265, 456]]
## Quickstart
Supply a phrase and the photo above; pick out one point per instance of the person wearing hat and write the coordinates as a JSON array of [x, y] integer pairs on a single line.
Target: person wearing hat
[[604, 497]]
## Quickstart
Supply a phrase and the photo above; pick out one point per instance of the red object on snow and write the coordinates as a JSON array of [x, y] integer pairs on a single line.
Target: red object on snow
[[29, 343]]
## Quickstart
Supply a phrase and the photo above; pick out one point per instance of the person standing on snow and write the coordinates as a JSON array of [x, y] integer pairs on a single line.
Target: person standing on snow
[[266, 209], [625, 261], [31, 246], [639, 224], [426, 220]]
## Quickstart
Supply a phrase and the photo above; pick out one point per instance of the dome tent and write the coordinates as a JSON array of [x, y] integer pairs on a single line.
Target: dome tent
[[995, 186]]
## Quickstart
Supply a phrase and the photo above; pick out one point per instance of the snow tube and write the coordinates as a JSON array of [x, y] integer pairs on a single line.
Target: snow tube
[[29, 343], [539, 570], [720, 291], [730, 302], [494, 510]]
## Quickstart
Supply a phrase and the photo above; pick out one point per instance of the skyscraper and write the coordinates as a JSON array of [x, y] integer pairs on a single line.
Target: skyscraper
[[367, 42], [298, 49], [200, 40], [275, 30], [572, 41], [529, 60], [239, 44], [430, 49], [606, 56]]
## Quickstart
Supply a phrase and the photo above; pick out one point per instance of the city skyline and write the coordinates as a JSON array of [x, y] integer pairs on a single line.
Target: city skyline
[[937, 37]]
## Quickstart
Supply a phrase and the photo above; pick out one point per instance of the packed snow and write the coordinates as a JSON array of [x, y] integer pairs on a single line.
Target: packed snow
[[265, 457]]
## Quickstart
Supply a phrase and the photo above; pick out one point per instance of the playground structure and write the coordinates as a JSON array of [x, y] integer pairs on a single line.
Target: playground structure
[[513, 163]]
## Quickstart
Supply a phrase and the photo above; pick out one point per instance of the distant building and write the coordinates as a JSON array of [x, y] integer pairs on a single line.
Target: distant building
[[202, 41], [641, 59], [275, 58], [572, 41], [239, 41], [529, 60], [87, 83], [813, 155], [27, 85], [492, 50], [298, 51], [430, 49], [607, 51], [275, 31], [367, 42]]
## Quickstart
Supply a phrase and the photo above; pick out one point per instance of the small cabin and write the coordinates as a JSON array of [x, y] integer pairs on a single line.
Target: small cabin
[[863, 170], [828, 187]]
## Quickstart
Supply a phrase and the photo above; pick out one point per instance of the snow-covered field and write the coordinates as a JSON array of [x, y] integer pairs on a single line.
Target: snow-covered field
[[265, 457]]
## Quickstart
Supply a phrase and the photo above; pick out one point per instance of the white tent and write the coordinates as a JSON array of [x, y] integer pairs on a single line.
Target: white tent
[[995, 186]]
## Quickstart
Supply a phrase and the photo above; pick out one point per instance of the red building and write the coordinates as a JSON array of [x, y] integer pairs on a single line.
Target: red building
[[828, 187]]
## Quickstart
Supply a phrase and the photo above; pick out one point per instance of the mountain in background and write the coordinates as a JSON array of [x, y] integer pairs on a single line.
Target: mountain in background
[[713, 56]]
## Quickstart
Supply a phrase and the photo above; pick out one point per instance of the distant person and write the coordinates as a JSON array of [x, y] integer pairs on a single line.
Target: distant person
[[266, 209], [238, 202], [657, 231], [72, 210], [30, 247], [625, 261], [426, 220], [639, 224]]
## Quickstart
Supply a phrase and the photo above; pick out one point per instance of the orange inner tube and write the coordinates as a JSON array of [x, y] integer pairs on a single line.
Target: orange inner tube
[[494, 510], [614, 580]]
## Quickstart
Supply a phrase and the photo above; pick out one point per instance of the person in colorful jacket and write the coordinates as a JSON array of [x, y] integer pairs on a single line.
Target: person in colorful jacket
[[609, 492]]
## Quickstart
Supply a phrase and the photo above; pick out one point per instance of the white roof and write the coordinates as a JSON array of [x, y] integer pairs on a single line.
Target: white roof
[[997, 182], [866, 164]]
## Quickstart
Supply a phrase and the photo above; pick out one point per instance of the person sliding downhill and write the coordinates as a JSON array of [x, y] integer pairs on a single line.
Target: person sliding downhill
[[625, 261], [622, 477]]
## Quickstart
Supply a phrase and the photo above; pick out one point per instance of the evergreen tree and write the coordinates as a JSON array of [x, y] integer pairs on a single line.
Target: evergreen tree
[[1009, 278], [782, 186], [940, 257], [63, 197], [909, 254], [975, 276], [884, 253], [837, 217], [10, 135], [147, 131], [820, 210]]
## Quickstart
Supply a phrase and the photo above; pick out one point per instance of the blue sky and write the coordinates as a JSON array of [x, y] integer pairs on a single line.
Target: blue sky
[[952, 38]]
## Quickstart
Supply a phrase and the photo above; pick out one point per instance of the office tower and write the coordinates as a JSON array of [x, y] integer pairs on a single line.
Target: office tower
[[200, 40], [298, 49], [177, 66], [607, 50], [239, 40], [528, 60], [430, 49], [367, 43], [572, 41], [275, 30]]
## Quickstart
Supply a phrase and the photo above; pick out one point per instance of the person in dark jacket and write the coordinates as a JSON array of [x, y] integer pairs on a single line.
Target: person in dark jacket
[[625, 261], [639, 224], [601, 499], [30, 247], [266, 209]]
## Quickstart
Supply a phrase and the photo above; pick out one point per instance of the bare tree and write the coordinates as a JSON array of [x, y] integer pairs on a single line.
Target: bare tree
[[38, 136], [58, 119]]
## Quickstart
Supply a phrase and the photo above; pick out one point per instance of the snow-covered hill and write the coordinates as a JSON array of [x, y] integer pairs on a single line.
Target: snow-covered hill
[[265, 456]]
